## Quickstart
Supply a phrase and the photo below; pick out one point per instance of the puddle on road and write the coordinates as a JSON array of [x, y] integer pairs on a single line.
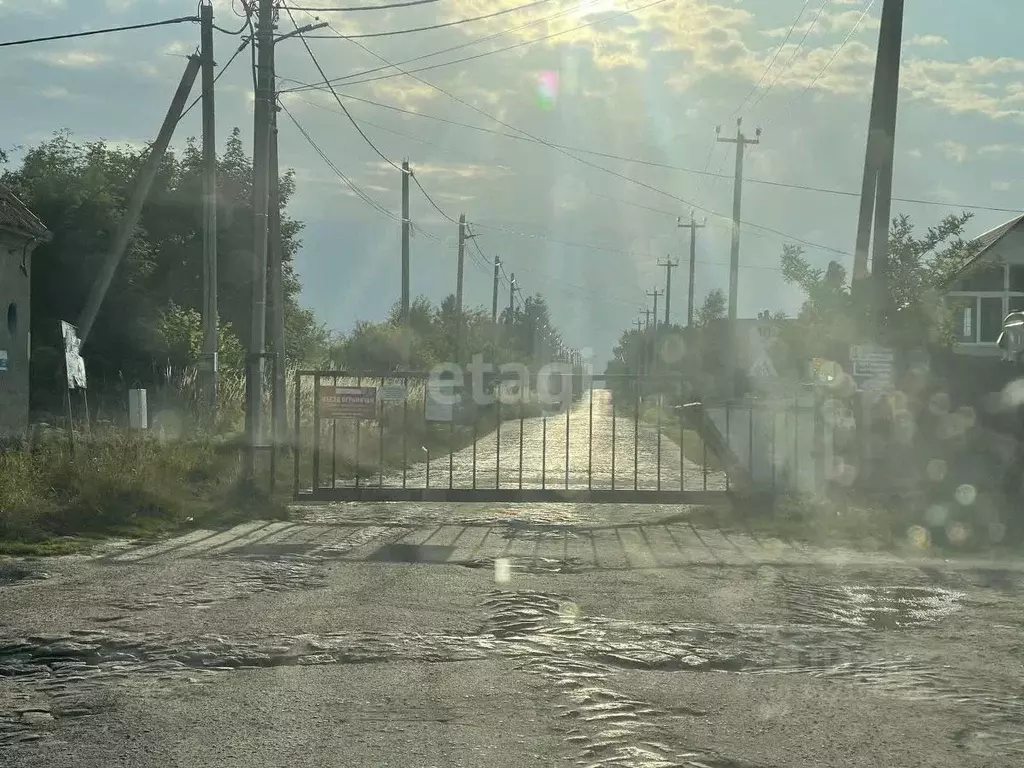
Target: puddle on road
[[869, 607]]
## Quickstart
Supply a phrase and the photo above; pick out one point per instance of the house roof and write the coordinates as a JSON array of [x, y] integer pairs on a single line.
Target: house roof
[[988, 240], [15, 215]]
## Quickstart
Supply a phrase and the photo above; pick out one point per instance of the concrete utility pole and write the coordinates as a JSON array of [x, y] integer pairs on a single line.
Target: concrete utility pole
[[458, 288], [494, 292], [876, 189], [654, 313], [405, 243], [511, 297], [262, 117], [276, 248], [126, 227], [741, 142], [693, 226], [210, 363], [669, 265]]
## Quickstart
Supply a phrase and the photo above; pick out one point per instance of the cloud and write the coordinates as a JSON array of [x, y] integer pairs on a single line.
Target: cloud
[[74, 59], [1001, 186], [953, 150], [994, 149], [922, 41]]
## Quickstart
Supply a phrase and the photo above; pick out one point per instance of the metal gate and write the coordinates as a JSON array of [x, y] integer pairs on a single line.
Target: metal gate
[[619, 438]]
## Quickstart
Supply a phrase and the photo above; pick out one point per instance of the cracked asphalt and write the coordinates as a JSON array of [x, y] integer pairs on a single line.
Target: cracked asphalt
[[507, 635]]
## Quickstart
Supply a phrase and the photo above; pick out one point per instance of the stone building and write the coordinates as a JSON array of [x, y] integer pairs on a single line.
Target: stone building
[[20, 233]]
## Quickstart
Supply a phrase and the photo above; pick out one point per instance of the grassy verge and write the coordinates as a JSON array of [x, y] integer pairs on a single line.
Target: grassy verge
[[867, 524], [115, 483]]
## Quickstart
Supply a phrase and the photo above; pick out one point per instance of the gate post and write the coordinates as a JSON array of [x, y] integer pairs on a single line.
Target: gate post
[[316, 431]]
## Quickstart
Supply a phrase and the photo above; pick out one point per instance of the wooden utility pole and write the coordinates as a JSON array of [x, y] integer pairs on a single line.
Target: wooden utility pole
[[693, 226], [126, 227], [876, 189], [646, 312], [262, 118], [669, 265], [210, 366], [741, 142]]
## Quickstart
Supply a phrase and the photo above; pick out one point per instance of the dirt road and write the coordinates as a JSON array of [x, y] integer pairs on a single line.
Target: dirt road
[[519, 635], [595, 444]]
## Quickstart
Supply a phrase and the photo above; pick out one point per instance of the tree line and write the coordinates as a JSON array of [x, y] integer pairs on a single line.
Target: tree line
[[150, 320]]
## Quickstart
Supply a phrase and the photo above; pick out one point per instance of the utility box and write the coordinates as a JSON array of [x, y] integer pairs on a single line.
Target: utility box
[[138, 413]]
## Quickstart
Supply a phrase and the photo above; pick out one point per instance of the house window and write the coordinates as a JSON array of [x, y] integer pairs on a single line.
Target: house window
[[1016, 304], [1017, 278], [963, 319], [990, 319]]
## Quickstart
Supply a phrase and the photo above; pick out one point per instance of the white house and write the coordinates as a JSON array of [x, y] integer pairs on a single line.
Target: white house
[[987, 288]]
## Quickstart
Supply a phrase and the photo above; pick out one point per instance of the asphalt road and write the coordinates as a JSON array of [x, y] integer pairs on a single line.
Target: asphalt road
[[422, 635]]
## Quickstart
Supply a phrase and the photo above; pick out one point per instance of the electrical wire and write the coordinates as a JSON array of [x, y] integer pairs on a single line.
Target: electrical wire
[[596, 166], [792, 58], [835, 55], [657, 164], [108, 30], [460, 46], [354, 9], [444, 25], [247, 7], [337, 98], [379, 207], [410, 72], [431, 200], [773, 59], [223, 69]]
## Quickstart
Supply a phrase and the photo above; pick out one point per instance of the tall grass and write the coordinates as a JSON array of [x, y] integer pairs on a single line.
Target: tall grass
[[118, 482]]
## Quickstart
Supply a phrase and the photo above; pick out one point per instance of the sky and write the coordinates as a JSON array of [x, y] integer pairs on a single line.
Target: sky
[[511, 120]]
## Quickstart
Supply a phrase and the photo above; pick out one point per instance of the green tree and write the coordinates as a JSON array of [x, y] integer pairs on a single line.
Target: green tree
[[913, 314], [712, 309], [80, 190]]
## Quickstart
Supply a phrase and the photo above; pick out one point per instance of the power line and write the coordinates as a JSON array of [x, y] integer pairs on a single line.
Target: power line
[[223, 69], [337, 98], [410, 72], [341, 174], [773, 59], [835, 55], [354, 9], [438, 26], [655, 163], [606, 248], [458, 47], [248, 11], [105, 31], [792, 58], [431, 200]]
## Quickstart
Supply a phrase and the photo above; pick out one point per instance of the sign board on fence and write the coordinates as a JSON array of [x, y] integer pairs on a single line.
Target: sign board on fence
[[348, 402], [73, 362], [873, 367], [441, 397], [392, 393]]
